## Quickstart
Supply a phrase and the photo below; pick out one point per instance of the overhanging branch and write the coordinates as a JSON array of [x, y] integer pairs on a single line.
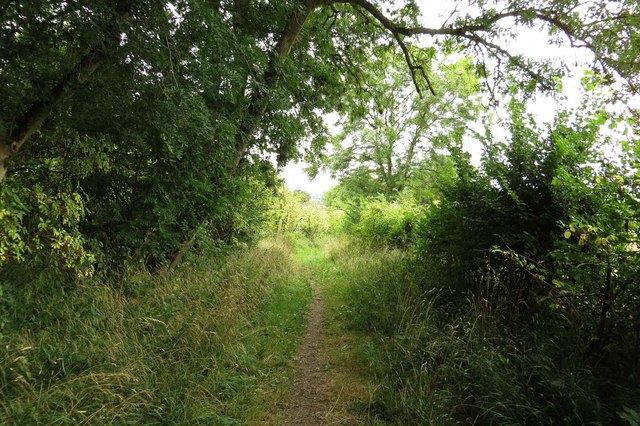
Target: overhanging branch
[[473, 31]]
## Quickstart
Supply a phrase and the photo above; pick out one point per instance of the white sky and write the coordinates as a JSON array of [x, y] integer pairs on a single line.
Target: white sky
[[296, 178], [531, 42]]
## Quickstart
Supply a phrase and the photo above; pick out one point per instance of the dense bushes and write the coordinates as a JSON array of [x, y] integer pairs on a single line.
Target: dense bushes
[[547, 222], [388, 223], [143, 125], [547, 227], [535, 247], [296, 214]]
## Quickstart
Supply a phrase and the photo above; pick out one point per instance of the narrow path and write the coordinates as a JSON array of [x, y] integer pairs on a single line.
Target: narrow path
[[327, 386], [311, 401]]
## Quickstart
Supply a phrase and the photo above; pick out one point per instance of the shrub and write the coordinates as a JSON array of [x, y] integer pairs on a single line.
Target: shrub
[[298, 215], [388, 223]]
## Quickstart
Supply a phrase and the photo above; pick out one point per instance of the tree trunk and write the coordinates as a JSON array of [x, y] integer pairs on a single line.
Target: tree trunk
[[259, 100], [595, 350], [606, 304], [5, 156], [184, 247]]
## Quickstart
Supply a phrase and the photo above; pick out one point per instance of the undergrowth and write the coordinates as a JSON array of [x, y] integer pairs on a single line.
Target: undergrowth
[[208, 344], [438, 361]]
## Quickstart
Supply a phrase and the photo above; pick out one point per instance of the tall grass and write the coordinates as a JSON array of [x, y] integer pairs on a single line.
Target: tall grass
[[438, 361], [209, 344]]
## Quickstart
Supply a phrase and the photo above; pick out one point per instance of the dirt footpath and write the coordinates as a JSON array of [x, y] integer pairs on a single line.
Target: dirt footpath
[[311, 402]]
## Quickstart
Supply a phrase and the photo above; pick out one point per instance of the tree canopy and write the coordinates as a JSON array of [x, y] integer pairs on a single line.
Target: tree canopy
[[149, 118]]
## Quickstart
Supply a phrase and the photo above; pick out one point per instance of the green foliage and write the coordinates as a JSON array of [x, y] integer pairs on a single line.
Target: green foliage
[[131, 129], [388, 223], [293, 214], [391, 130], [149, 140], [535, 247], [630, 416], [515, 201], [545, 227], [301, 196], [43, 228], [150, 110]]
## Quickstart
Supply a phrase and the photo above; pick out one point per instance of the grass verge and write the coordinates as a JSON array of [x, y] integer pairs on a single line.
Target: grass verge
[[431, 361], [209, 344]]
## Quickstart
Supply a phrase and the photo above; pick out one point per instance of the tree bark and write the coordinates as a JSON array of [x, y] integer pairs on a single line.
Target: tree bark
[[33, 118], [184, 247]]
